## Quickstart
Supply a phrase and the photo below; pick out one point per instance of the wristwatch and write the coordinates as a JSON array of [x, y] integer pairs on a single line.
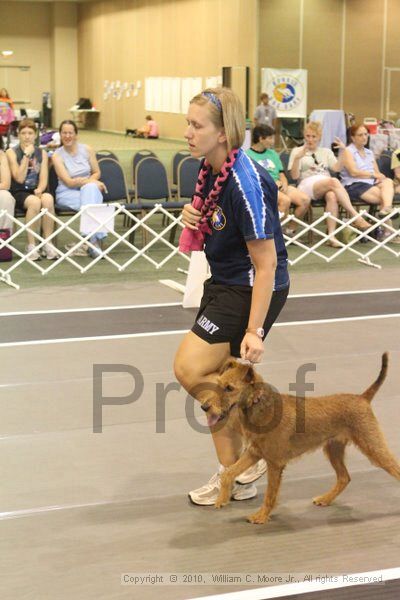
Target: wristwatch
[[259, 331]]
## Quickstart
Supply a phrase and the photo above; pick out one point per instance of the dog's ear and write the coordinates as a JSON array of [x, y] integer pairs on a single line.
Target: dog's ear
[[249, 375], [231, 363]]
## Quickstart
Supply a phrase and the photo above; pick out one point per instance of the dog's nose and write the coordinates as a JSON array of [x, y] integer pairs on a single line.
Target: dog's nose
[[205, 407]]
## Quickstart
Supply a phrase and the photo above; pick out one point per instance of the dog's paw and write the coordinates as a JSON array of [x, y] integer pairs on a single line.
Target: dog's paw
[[321, 501], [258, 518], [221, 501]]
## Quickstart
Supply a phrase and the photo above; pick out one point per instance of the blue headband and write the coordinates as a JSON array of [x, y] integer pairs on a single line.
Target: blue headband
[[213, 98]]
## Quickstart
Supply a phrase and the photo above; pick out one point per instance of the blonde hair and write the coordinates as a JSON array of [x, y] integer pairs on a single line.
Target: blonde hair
[[226, 112], [315, 127]]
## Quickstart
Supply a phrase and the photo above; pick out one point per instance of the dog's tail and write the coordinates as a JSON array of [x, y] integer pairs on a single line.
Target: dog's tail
[[371, 391]]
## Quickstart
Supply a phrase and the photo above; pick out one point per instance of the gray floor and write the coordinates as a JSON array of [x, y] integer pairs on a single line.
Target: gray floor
[[79, 508]]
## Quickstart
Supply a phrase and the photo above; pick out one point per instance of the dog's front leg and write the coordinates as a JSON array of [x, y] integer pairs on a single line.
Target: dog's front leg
[[271, 494], [229, 475]]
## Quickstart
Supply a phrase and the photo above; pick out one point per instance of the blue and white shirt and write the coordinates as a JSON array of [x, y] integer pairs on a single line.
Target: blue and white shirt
[[247, 210], [365, 162]]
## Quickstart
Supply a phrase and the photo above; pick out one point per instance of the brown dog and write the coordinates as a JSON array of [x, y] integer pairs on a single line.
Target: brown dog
[[280, 427]]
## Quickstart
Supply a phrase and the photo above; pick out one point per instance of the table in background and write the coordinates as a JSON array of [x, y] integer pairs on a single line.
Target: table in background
[[333, 125], [86, 118]]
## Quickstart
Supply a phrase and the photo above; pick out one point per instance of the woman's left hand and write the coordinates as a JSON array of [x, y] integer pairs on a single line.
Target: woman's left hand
[[38, 192], [339, 144], [251, 348]]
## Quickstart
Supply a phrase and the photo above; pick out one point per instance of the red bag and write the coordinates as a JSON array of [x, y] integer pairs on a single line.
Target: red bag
[[5, 253]]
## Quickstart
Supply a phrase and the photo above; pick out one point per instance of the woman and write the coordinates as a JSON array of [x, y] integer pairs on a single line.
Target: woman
[[361, 176], [78, 177], [263, 139], [5, 97], [7, 202], [311, 165], [238, 225], [29, 170], [149, 129]]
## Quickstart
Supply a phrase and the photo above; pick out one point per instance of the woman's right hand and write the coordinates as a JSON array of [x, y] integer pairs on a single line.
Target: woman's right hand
[[190, 217], [29, 149]]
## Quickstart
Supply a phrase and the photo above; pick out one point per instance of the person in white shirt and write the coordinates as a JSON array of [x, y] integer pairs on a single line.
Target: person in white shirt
[[311, 166], [265, 114]]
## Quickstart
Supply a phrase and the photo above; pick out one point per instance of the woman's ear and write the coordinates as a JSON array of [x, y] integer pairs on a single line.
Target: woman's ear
[[222, 136]]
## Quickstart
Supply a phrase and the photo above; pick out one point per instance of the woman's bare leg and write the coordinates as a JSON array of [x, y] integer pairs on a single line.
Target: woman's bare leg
[[373, 196], [300, 201], [333, 208], [197, 364], [387, 192], [283, 203], [48, 222], [32, 205]]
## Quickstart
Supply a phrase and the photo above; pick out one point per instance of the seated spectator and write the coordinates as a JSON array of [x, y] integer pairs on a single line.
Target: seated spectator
[[5, 97], [78, 177], [311, 165], [7, 202], [395, 165], [261, 151], [361, 176], [29, 171], [149, 129]]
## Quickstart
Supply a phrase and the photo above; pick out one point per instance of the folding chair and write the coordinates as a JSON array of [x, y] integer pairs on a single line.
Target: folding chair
[[137, 157], [106, 154], [188, 172], [284, 156], [176, 159], [292, 132], [152, 188], [113, 177]]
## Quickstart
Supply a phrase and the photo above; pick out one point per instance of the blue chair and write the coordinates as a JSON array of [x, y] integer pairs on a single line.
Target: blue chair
[[152, 188], [188, 172], [106, 154], [137, 157], [113, 177], [176, 160]]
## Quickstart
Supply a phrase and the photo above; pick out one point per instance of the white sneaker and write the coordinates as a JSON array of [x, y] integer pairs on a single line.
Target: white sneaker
[[253, 473], [82, 250], [207, 495], [50, 251], [34, 254]]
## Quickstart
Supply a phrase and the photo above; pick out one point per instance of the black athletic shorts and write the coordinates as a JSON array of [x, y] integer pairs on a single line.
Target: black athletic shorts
[[20, 197], [224, 313]]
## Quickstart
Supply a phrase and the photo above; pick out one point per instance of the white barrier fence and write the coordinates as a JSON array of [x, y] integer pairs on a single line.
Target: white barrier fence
[[153, 233]]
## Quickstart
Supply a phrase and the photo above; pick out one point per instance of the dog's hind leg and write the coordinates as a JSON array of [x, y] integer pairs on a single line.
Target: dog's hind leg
[[370, 440], [334, 450], [229, 475], [271, 495]]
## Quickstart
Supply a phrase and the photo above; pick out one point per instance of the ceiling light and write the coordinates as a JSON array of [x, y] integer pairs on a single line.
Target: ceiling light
[[7, 52]]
